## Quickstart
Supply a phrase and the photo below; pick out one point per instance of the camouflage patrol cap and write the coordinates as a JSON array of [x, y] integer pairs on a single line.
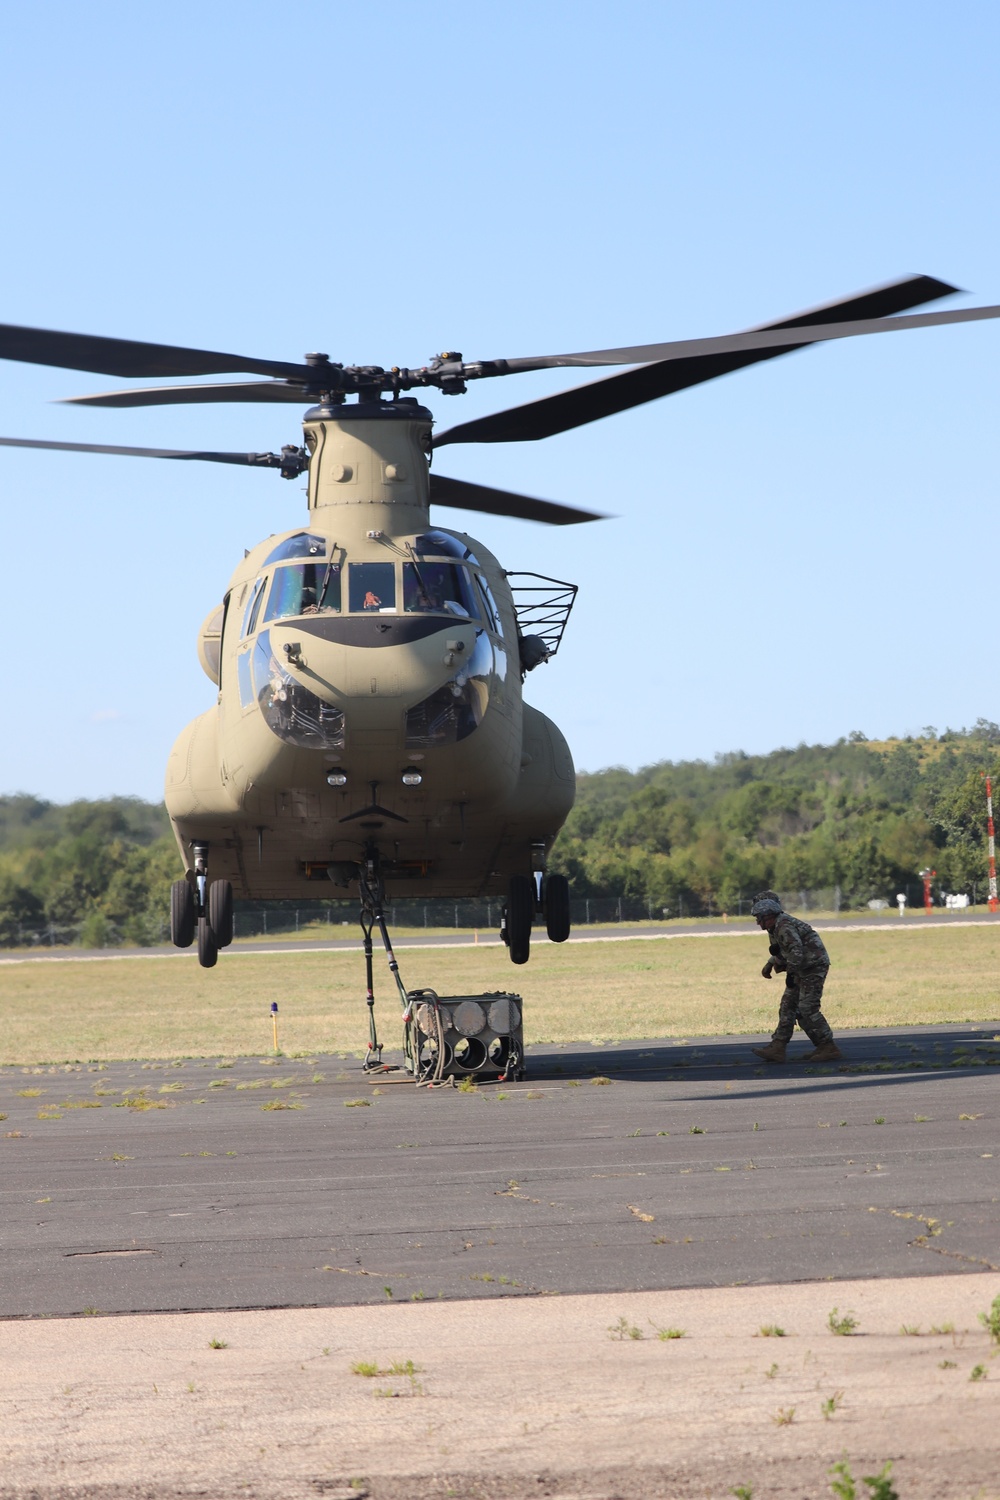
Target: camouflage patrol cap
[[766, 906]]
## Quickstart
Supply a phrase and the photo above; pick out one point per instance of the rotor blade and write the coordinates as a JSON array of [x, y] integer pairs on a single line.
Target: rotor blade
[[615, 393], [196, 395], [781, 337], [463, 495], [253, 460], [879, 302], [135, 361]]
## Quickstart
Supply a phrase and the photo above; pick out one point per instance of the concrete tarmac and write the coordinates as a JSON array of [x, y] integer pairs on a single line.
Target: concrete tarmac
[[666, 1183]]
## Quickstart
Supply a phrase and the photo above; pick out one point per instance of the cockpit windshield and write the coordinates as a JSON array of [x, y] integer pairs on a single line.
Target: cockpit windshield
[[373, 588], [303, 589], [437, 588]]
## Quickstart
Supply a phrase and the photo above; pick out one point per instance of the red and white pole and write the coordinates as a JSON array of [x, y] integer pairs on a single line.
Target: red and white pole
[[992, 847]]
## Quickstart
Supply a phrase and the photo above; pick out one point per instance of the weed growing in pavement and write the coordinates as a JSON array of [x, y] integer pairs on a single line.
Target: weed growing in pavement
[[695, 1130], [668, 1333], [742, 1491], [771, 1373], [879, 1120], [844, 1326], [978, 1372], [770, 1331], [784, 1416], [468, 1086], [623, 1329], [273, 1104], [350, 1104], [831, 1404], [911, 1329], [599, 1081], [947, 1364], [217, 1344], [880, 1486], [366, 1368], [991, 1320]]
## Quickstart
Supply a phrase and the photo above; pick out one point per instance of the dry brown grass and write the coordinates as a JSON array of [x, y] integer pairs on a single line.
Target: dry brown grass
[[73, 1010]]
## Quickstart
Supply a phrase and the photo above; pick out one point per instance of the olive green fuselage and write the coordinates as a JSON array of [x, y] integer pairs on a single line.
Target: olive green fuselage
[[368, 646]]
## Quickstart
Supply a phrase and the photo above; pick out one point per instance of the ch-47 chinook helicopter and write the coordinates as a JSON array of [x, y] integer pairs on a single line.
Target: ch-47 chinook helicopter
[[369, 727]]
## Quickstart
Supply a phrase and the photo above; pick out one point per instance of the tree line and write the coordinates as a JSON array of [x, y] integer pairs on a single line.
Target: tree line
[[859, 817]]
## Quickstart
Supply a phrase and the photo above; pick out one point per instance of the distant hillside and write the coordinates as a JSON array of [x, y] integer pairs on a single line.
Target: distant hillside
[[858, 820], [849, 822]]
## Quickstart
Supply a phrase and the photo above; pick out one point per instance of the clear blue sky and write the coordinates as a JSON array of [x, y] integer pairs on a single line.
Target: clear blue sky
[[802, 550]]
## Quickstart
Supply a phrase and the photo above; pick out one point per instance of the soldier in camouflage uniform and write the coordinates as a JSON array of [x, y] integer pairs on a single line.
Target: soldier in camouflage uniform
[[797, 951]]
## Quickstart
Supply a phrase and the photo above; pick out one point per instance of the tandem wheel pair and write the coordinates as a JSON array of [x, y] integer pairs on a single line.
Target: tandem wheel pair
[[211, 919], [527, 898]]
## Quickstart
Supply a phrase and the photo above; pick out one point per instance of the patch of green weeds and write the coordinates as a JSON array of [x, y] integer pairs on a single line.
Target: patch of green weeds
[[970, 1117], [139, 1102], [947, 1364], [696, 1130], [844, 1325], [784, 1416], [599, 1080], [365, 1368], [912, 1330], [771, 1373], [348, 1104], [573, 1083], [879, 1120], [991, 1320], [30, 1093], [81, 1104], [469, 1086], [742, 1491], [831, 1404], [770, 1331], [880, 1486], [978, 1372], [284, 1104], [623, 1330], [665, 1334], [217, 1344]]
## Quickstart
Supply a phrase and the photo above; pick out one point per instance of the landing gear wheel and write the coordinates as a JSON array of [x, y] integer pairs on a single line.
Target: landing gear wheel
[[520, 912], [182, 914], [557, 908], [220, 911], [208, 946]]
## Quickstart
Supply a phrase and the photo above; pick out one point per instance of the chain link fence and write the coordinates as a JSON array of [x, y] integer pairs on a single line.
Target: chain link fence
[[318, 919]]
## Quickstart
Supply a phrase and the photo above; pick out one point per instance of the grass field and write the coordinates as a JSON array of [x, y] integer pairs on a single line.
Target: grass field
[[99, 1010]]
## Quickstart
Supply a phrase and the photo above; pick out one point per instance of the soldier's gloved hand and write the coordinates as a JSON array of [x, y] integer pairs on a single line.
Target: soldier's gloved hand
[[766, 970]]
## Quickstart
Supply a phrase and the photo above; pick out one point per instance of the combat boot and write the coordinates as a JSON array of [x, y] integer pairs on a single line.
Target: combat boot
[[773, 1052], [825, 1052]]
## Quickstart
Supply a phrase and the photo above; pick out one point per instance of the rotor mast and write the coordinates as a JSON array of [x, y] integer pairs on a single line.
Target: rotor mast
[[370, 459]]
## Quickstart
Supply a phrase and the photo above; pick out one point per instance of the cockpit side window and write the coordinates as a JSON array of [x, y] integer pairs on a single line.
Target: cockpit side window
[[372, 588], [490, 606], [303, 589], [253, 608], [438, 588]]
